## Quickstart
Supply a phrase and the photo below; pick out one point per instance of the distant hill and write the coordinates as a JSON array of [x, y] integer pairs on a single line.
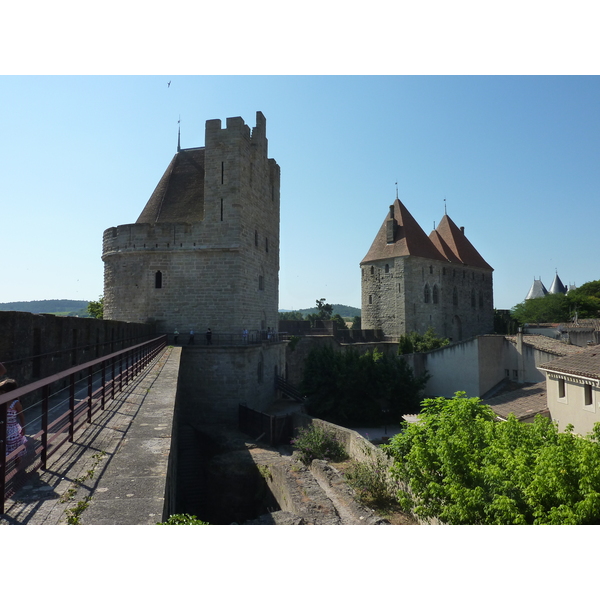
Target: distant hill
[[339, 309], [63, 308]]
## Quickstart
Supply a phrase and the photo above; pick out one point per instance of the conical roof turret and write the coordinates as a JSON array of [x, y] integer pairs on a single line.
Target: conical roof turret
[[557, 286], [538, 290]]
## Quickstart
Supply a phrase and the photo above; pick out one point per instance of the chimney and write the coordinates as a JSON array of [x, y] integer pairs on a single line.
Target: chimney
[[462, 230]]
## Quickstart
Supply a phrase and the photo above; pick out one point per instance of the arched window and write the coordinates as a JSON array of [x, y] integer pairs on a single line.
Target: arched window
[[435, 294], [455, 297], [387, 268], [158, 280], [430, 270], [426, 294]]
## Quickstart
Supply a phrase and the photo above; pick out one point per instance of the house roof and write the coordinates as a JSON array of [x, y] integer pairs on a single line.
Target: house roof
[[524, 402], [585, 364], [547, 344], [408, 238], [452, 242], [179, 195]]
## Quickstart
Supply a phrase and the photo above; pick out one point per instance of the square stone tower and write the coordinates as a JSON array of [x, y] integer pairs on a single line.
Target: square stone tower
[[411, 281], [204, 251]]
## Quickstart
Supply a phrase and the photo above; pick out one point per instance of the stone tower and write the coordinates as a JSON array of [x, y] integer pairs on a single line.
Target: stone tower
[[411, 281], [204, 251]]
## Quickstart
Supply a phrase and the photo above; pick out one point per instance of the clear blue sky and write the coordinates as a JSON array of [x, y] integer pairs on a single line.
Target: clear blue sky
[[517, 159]]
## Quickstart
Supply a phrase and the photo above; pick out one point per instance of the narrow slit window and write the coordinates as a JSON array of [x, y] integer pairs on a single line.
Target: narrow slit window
[[587, 394], [221, 209], [222, 172], [158, 280]]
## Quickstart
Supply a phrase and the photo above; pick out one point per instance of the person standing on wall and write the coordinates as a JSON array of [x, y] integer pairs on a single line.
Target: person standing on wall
[[175, 336], [191, 340], [208, 337]]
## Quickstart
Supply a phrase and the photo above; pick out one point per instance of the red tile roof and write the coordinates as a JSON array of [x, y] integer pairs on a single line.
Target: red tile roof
[[585, 363], [452, 242], [409, 239], [525, 402], [179, 195]]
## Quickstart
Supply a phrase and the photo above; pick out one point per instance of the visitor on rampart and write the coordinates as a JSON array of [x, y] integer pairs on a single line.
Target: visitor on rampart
[[15, 421], [208, 337], [191, 340], [175, 336]]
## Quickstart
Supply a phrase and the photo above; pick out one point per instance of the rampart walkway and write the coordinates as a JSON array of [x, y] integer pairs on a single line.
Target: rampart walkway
[[118, 469]]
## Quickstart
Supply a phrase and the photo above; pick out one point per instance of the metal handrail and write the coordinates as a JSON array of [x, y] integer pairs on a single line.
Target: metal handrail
[[124, 366]]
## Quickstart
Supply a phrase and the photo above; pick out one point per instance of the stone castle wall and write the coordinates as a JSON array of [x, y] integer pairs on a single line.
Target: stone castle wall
[[213, 382], [36, 346], [409, 293]]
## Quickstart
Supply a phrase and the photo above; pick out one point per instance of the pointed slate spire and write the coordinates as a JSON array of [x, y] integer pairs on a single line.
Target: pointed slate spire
[[538, 290], [557, 286]]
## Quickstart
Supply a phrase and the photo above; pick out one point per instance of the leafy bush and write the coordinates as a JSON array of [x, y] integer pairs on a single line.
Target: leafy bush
[[370, 482], [415, 342], [183, 519], [316, 443], [464, 467]]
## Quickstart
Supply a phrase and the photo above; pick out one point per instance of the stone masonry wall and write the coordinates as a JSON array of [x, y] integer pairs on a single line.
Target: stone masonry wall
[[410, 293], [215, 380]]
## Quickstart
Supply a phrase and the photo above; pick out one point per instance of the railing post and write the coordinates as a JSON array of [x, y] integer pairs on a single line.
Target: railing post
[[120, 372], [90, 378], [102, 402], [44, 455], [3, 417], [71, 407], [112, 387]]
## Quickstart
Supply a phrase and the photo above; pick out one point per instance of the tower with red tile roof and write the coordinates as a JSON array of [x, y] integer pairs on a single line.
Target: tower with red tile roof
[[412, 281], [204, 251]]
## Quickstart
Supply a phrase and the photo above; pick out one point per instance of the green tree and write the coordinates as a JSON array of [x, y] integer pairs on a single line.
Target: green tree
[[415, 342], [553, 308], [325, 310], [352, 388], [96, 308], [356, 323], [339, 321], [291, 315], [464, 467]]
